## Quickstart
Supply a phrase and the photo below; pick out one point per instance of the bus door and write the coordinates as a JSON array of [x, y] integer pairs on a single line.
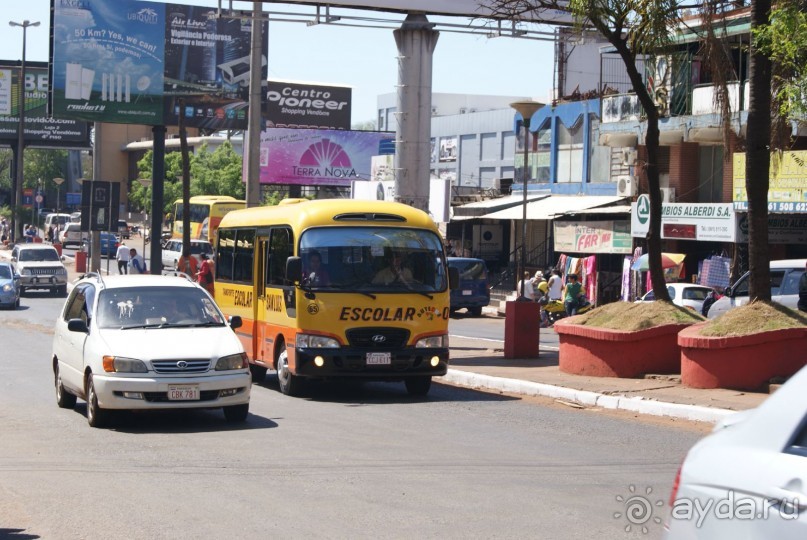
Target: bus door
[[261, 340]]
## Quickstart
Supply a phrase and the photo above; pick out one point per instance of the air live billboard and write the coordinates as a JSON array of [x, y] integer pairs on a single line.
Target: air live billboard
[[130, 62], [320, 157], [40, 131], [307, 105]]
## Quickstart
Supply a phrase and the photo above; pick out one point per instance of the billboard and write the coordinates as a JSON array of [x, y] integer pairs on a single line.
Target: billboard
[[319, 157], [130, 62], [787, 185], [465, 8], [307, 105], [40, 130]]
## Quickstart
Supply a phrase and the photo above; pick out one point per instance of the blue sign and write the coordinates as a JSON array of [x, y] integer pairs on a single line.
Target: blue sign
[[73, 199]]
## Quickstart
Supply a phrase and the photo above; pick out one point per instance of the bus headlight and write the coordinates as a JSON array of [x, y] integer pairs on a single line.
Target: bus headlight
[[233, 361], [312, 341], [433, 342]]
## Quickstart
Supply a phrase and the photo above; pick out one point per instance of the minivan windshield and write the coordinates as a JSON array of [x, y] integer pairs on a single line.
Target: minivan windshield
[[372, 259], [140, 307]]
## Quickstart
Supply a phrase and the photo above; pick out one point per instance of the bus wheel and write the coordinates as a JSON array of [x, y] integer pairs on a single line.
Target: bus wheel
[[418, 386], [289, 383]]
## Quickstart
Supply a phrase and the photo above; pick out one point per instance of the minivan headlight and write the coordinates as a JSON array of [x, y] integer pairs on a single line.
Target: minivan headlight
[[313, 341], [232, 361], [8, 287], [119, 364], [430, 342]]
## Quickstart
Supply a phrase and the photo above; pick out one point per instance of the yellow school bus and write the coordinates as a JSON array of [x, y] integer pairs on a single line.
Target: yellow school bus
[[205, 213], [336, 289]]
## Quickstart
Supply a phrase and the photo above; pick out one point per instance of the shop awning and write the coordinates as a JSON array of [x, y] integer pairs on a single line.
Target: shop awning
[[480, 208], [554, 206]]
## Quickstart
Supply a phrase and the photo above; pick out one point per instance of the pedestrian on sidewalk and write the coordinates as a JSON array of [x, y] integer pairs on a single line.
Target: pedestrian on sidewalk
[[122, 256], [555, 285], [524, 288], [571, 295], [136, 262]]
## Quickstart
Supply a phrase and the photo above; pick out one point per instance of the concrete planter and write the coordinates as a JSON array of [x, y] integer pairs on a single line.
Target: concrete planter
[[742, 362], [599, 352]]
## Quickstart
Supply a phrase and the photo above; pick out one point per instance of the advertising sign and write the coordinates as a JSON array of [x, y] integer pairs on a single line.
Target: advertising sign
[[40, 131], [593, 237], [130, 62], [307, 105], [715, 222], [787, 189], [319, 157], [448, 149], [781, 229], [99, 205], [384, 190]]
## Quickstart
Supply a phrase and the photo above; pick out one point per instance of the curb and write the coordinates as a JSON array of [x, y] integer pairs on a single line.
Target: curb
[[591, 399]]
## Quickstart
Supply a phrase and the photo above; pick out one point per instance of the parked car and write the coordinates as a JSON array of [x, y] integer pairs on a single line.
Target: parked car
[[473, 290], [59, 220], [749, 477], [142, 342], [683, 294], [172, 250], [9, 286], [123, 229], [785, 275], [71, 235], [39, 267], [109, 244]]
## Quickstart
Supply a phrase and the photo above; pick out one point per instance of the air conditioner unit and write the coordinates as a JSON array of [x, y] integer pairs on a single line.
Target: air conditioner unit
[[667, 194], [629, 156], [463, 110], [434, 111], [626, 185]]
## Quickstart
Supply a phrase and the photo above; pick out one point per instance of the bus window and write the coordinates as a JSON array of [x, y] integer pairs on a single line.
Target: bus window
[[244, 253], [280, 249], [225, 254], [366, 258]]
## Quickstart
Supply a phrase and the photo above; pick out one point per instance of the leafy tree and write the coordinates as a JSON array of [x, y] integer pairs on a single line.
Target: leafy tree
[[633, 28], [212, 173]]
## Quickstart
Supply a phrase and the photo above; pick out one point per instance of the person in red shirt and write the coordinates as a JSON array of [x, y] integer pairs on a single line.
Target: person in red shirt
[[205, 274]]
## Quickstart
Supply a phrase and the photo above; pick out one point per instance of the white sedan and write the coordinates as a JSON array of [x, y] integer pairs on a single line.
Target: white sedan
[[749, 478], [147, 342], [683, 294]]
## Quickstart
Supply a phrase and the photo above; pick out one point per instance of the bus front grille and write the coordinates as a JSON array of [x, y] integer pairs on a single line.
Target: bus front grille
[[378, 338]]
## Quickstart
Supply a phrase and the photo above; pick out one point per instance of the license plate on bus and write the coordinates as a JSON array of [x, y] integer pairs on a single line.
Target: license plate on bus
[[467, 292], [379, 358], [183, 392]]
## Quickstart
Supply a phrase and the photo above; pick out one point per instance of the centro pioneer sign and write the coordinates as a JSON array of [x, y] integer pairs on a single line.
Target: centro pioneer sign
[[307, 105], [714, 222]]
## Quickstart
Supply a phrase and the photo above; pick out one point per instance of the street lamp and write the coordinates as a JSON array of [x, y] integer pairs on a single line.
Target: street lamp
[[20, 128], [58, 181], [526, 109]]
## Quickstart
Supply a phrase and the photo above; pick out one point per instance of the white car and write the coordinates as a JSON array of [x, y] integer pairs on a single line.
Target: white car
[[683, 294], [172, 251], [40, 267], [749, 478], [785, 276], [147, 342], [71, 235]]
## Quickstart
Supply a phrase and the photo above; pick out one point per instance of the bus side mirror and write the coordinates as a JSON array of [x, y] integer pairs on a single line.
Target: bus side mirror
[[728, 292], [294, 269], [453, 278]]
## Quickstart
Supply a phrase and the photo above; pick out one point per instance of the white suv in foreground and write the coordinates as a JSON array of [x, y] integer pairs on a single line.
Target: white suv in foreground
[[147, 342], [40, 267]]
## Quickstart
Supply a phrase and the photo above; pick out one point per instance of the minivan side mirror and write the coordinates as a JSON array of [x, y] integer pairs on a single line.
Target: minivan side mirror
[[728, 292], [236, 322], [78, 325]]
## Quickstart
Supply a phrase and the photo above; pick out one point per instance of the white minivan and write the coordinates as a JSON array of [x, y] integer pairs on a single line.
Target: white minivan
[[785, 275]]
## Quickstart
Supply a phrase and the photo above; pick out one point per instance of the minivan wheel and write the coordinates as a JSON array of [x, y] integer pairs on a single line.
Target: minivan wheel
[[96, 416], [64, 399]]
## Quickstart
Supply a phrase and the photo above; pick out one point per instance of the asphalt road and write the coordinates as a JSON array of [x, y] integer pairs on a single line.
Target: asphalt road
[[343, 462]]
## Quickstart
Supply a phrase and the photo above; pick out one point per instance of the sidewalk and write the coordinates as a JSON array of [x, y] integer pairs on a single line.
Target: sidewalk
[[481, 365]]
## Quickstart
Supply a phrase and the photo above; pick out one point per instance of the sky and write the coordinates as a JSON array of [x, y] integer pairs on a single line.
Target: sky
[[362, 58]]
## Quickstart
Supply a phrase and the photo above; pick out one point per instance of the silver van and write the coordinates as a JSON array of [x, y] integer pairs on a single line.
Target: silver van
[[785, 275]]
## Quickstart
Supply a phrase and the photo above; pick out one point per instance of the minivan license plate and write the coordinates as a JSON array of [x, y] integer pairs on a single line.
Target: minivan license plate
[[183, 392], [379, 358]]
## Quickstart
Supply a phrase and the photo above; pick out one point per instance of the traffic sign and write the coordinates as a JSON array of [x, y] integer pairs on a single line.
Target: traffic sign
[[39, 198]]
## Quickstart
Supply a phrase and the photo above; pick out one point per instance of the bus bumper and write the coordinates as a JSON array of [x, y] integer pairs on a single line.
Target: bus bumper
[[363, 364]]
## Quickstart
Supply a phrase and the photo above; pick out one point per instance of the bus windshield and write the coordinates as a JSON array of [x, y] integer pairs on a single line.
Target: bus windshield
[[372, 259]]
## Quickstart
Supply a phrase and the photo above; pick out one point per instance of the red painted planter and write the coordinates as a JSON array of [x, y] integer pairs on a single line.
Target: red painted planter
[[743, 362], [599, 352]]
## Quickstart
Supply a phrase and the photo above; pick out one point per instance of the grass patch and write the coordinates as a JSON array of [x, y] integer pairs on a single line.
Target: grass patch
[[753, 318], [630, 316]]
